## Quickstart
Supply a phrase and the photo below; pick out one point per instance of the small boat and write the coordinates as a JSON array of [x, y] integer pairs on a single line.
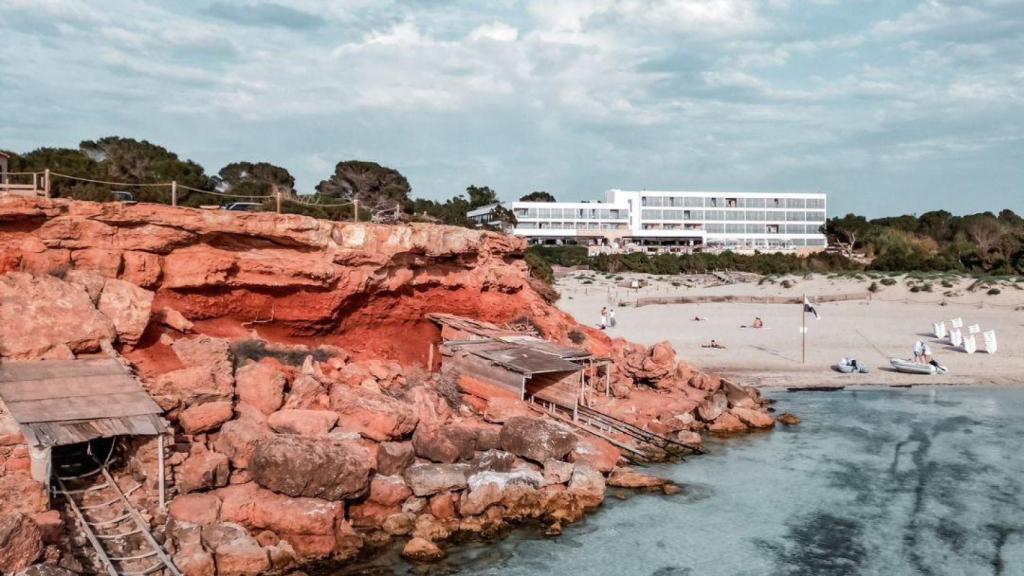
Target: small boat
[[851, 366], [911, 367]]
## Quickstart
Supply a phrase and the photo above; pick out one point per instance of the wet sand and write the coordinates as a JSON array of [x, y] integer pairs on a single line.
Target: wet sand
[[871, 331]]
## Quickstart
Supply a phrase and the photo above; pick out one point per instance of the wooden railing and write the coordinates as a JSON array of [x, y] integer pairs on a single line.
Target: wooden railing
[[25, 183]]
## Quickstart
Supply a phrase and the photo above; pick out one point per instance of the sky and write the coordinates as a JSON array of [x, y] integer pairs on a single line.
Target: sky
[[889, 106]]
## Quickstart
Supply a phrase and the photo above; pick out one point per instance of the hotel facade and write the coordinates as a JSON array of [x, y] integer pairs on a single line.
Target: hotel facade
[[629, 220]]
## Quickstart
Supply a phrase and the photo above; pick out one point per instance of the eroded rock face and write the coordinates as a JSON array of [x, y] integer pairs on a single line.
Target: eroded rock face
[[43, 316], [371, 414], [128, 307], [537, 439], [394, 457], [312, 467], [20, 542]]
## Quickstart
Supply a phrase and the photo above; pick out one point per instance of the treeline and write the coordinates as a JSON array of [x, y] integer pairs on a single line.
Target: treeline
[[934, 241], [383, 193], [696, 263]]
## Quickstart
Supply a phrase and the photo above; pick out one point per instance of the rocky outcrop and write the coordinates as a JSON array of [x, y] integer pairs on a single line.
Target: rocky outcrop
[[537, 439], [310, 467], [21, 542]]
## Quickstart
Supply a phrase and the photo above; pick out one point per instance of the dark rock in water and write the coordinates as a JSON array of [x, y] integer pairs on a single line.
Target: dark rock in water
[[788, 419]]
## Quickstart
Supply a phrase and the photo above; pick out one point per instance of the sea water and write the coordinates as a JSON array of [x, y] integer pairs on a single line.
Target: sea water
[[873, 481]]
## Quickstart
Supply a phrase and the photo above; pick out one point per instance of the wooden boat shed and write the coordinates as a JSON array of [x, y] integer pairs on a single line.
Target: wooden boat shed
[[493, 362], [65, 402]]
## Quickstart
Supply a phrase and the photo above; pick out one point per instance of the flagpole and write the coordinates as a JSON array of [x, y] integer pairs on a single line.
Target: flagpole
[[803, 330]]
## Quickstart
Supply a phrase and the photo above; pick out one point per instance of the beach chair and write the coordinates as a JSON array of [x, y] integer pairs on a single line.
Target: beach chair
[[940, 330], [956, 338], [970, 344], [990, 342], [974, 329], [957, 322]]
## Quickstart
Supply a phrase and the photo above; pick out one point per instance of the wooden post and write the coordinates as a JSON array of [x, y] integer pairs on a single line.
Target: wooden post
[[803, 330], [174, 193], [355, 210], [46, 182], [430, 358], [160, 472], [35, 182], [278, 195]]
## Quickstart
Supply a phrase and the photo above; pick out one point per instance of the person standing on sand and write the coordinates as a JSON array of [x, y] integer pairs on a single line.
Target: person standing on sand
[[611, 317], [604, 318]]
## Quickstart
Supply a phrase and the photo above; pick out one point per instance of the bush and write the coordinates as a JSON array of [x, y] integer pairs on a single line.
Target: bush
[[947, 284], [786, 284], [873, 287], [915, 288], [926, 288], [994, 292], [577, 337], [888, 282]]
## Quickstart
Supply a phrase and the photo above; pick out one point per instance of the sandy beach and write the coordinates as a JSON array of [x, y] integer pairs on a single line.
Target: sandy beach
[[871, 331]]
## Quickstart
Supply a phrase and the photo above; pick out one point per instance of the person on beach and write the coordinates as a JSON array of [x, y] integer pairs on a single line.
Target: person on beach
[[922, 352], [611, 317], [713, 344], [758, 323], [604, 318]]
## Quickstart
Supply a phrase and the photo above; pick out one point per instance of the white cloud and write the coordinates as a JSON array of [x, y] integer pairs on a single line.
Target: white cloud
[[497, 31]]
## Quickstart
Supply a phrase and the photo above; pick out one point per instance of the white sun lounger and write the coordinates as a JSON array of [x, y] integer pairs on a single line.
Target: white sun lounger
[[957, 322], [974, 329], [990, 342], [956, 337], [939, 330], [970, 344]]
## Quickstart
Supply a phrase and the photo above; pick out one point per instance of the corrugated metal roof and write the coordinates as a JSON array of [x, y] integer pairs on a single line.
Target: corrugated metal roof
[[526, 360], [58, 402]]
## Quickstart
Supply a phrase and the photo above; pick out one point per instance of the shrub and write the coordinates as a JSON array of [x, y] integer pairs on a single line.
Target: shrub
[[577, 337], [786, 284], [915, 288], [888, 282], [873, 287], [994, 291], [947, 284]]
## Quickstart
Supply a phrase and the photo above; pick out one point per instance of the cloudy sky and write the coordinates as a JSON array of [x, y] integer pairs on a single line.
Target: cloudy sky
[[890, 106]]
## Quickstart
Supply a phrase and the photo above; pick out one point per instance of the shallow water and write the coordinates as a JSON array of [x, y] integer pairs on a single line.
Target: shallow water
[[881, 482]]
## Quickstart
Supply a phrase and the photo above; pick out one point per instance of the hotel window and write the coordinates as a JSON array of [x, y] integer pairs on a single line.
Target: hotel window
[[772, 228], [526, 225], [776, 203], [544, 212], [734, 228], [714, 215], [521, 211], [754, 203], [754, 215], [654, 201], [814, 203], [693, 202], [815, 216], [606, 214], [794, 203], [672, 215], [795, 216], [731, 203], [755, 228], [651, 215], [715, 228]]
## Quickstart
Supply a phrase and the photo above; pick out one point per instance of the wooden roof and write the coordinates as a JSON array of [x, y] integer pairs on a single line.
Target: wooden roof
[[59, 402]]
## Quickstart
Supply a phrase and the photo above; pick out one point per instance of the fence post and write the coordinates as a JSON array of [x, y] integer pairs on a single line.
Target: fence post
[[174, 193], [46, 182], [355, 211], [35, 182], [278, 202]]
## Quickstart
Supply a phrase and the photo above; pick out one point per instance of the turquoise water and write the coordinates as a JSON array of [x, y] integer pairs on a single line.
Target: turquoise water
[[880, 482]]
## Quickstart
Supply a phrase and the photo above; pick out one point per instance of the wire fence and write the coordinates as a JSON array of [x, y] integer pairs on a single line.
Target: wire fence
[[41, 184]]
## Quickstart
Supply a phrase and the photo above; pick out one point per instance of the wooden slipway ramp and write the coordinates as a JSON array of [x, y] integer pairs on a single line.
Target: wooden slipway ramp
[[112, 536]]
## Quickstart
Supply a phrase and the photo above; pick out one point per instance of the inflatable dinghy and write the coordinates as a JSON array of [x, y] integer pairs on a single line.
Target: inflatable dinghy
[[911, 367], [851, 366]]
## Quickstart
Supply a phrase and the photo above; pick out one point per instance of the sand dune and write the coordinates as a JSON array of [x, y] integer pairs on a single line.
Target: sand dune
[[871, 331]]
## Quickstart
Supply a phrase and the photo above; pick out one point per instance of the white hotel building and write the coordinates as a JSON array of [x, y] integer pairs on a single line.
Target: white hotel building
[[675, 221]]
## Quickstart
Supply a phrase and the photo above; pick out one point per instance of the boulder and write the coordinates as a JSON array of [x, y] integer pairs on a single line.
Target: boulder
[[261, 385], [394, 457], [753, 417], [21, 542], [311, 467], [494, 461], [445, 444], [399, 524], [202, 470], [306, 392], [211, 354], [704, 381], [429, 479], [238, 500], [175, 320], [501, 409], [39, 314], [194, 561], [284, 515], [587, 484], [205, 417], [626, 477], [238, 439], [422, 550], [51, 526], [87, 280], [428, 406], [303, 422], [388, 490], [201, 508], [727, 423], [487, 488], [599, 454], [557, 472], [537, 439], [214, 535], [371, 414], [788, 419], [128, 307], [710, 409], [241, 557], [20, 493]]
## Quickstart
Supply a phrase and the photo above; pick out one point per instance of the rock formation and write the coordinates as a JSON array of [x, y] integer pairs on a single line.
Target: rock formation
[[291, 356]]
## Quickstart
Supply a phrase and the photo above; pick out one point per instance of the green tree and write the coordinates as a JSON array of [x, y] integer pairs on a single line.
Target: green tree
[[256, 179], [481, 196], [538, 196], [377, 187]]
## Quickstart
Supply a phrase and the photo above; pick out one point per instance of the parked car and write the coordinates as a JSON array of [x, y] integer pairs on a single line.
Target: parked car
[[244, 207], [123, 197]]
